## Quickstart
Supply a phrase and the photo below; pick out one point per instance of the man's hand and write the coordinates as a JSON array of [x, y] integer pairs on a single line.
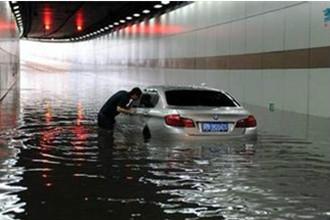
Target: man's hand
[[129, 111], [132, 111]]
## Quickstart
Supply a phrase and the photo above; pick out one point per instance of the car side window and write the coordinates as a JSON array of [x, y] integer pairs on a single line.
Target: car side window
[[148, 100]]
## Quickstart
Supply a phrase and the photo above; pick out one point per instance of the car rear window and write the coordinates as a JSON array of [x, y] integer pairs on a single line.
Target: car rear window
[[198, 98]]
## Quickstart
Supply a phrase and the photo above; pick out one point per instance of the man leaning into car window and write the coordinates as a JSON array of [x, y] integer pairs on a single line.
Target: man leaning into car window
[[120, 102]]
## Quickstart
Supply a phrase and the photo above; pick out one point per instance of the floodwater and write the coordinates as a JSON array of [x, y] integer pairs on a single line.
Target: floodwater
[[55, 164]]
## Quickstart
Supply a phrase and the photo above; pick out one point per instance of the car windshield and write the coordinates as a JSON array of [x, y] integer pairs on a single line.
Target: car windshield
[[198, 98]]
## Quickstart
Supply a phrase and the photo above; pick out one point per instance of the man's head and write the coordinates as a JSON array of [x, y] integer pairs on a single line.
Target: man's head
[[135, 93]]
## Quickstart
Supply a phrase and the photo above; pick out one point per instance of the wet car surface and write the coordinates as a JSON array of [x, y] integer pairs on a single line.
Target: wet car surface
[[56, 164]]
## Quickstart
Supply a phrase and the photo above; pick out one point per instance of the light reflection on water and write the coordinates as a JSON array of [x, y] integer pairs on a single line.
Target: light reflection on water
[[55, 164]]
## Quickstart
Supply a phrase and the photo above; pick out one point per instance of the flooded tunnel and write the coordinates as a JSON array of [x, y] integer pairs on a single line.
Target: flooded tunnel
[[62, 61]]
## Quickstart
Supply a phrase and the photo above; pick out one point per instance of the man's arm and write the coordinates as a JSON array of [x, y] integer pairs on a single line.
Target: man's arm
[[124, 110]]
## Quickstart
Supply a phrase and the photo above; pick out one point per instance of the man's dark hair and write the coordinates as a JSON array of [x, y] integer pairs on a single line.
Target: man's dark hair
[[135, 91]]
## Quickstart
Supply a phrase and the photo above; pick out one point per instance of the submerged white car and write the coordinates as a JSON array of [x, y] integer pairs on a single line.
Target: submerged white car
[[184, 112]]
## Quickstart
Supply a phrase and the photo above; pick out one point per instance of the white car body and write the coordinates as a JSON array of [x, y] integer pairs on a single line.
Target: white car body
[[164, 121]]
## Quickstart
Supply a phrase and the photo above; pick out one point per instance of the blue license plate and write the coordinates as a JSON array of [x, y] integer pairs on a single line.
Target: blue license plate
[[214, 127]]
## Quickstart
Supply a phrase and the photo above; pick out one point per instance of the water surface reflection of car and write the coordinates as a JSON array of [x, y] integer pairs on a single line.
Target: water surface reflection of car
[[185, 112]]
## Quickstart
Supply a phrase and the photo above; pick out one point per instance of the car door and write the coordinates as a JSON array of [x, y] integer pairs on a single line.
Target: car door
[[146, 106]]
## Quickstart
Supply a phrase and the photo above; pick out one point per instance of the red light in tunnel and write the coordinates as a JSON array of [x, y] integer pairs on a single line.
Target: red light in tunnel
[[47, 17], [79, 20], [7, 26]]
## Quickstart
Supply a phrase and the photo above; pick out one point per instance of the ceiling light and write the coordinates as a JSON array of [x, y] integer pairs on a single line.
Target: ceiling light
[[16, 12], [128, 18], [16, 7], [106, 28], [136, 15], [122, 21], [101, 29], [146, 11], [158, 6], [116, 23], [165, 2], [13, 2]]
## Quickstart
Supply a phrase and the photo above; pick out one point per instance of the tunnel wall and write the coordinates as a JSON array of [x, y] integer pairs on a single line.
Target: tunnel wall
[[264, 53], [9, 49]]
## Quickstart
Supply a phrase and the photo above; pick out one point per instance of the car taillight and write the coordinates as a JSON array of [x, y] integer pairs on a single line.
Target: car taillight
[[248, 122], [178, 121]]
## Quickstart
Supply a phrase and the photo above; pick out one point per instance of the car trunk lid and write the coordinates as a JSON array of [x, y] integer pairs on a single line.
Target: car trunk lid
[[212, 121]]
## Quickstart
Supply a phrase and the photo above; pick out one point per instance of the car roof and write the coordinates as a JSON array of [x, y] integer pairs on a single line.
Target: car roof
[[177, 87]]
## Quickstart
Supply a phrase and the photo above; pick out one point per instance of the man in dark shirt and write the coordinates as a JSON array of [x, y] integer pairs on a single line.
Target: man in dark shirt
[[120, 102]]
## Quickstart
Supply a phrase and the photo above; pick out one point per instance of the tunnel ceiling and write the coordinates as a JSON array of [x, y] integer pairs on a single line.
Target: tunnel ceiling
[[75, 21]]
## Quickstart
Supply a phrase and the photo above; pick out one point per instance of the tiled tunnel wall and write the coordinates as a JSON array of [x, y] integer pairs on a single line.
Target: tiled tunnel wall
[[9, 49], [261, 52]]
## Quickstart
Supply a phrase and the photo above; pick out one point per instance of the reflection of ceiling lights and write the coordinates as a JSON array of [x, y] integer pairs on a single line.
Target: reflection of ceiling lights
[[128, 18], [146, 11], [122, 21], [165, 2], [136, 15]]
